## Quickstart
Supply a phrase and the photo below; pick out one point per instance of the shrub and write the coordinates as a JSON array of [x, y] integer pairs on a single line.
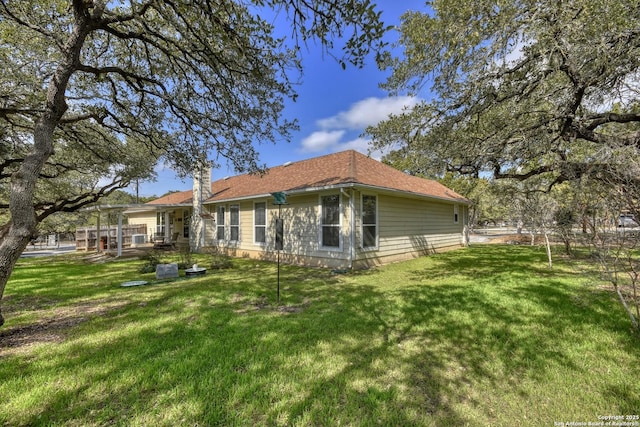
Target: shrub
[[185, 257], [151, 260]]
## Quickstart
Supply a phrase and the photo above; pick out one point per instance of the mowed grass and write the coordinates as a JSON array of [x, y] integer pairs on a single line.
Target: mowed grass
[[482, 336]]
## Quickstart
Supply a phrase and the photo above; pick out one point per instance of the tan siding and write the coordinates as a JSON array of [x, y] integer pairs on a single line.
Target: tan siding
[[407, 228], [301, 238], [149, 219], [411, 227], [300, 225], [209, 225], [246, 224]]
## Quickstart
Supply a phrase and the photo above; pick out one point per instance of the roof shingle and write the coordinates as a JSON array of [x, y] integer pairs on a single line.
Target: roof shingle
[[343, 168]]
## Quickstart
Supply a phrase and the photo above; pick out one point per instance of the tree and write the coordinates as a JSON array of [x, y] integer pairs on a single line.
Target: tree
[[522, 90], [518, 89], [615, 245], [478, 190], [185, 81]]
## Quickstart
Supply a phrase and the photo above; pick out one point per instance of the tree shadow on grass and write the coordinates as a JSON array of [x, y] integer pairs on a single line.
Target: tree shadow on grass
[[356, 354]]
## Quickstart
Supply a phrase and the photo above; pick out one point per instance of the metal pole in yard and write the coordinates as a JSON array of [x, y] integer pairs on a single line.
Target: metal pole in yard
[[280, 198]]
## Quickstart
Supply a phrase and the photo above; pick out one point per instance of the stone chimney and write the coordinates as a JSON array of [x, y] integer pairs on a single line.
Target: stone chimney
[[201, 192]]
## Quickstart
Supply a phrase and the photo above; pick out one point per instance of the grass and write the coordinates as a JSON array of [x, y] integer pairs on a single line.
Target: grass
[[482, 336]]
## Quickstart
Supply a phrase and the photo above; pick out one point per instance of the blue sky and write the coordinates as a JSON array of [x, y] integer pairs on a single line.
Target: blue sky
[[333, 108]]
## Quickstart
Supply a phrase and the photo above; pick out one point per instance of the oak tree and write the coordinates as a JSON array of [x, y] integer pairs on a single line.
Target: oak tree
[[542, 92], [518, 89], [103, 89]]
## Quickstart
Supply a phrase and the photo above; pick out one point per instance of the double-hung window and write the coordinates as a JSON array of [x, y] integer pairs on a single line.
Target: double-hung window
[[369, 222], [160, 223], [260, 223], [455, 214], [234, 223], [220, 222], [330, 221]]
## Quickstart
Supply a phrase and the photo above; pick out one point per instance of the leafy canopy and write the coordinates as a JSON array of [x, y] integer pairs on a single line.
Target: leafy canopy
[[152, 80], [519, 89]]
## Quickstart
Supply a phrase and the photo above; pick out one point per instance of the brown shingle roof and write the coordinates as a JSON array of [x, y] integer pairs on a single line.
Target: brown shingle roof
[[343, 168], [177, 198]]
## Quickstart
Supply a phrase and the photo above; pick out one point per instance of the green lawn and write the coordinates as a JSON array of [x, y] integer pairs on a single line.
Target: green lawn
[[482, 336]]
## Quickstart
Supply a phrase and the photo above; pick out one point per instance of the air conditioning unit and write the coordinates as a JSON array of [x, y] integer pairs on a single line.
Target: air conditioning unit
[[138, 239]]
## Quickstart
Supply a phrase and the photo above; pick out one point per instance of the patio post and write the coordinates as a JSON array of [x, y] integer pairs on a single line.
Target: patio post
[[119, 237], [98, 249]]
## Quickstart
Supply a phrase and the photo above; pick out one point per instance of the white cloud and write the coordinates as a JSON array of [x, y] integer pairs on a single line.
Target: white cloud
[[347, 124], [368, 112], [321, 140]]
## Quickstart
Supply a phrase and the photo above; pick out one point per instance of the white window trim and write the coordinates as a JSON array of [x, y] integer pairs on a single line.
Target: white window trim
[[266, 223], [362, 224], [456, 213], [161, 226], [340, 224]]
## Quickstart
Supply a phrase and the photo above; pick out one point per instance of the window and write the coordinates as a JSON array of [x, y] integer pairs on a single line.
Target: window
[[455, 214], [369, 221], [220, 222], [260, 222], [186, 222], [330, 221], [234, 223], [160, 223]]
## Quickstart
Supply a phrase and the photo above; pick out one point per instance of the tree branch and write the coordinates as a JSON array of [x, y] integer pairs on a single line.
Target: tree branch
[[597, 120]]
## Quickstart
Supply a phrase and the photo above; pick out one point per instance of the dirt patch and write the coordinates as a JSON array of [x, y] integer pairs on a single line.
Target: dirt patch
[[16, 339], [513, 239], [287, 309], [53, 326], [263, 304]]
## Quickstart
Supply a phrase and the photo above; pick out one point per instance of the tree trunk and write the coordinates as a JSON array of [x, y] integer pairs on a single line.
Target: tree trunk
[[23, 223], [548, 245], [634, 321], [11, 247]]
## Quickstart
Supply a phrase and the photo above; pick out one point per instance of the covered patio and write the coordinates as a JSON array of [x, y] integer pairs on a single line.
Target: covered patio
[[115, 238]]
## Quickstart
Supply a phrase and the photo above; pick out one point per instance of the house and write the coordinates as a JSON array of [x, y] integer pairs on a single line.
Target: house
[[343, 210]]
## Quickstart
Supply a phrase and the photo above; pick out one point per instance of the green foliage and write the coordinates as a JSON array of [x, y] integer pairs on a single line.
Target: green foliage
[[162, 79], [95, 93], [186, 257], [151, 260], [486, 206], [565, 219], [482, 336], [519, 90]]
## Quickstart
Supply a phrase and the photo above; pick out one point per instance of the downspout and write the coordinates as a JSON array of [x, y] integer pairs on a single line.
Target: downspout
[[352, 228]]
